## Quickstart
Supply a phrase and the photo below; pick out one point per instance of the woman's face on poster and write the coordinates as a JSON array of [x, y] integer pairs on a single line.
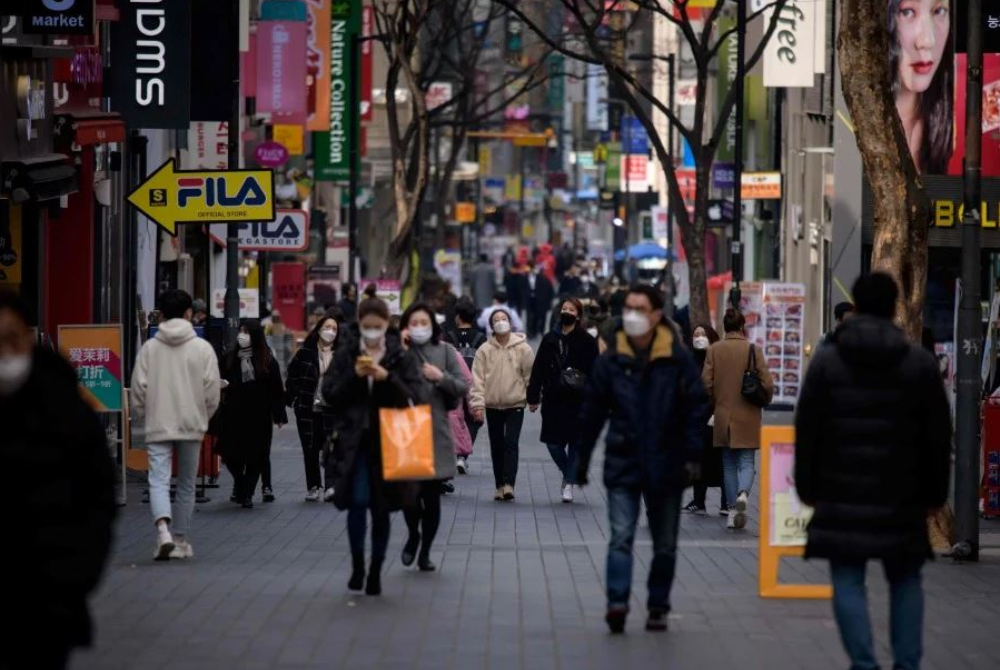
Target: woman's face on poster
[[921, 33]]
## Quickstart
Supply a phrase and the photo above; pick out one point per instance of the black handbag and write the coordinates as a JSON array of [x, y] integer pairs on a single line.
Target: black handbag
[[753, 388], [570, 379]]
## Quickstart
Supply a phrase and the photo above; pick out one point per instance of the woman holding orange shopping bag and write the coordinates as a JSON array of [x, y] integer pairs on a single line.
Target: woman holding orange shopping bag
[[370, 371], [445, 386]]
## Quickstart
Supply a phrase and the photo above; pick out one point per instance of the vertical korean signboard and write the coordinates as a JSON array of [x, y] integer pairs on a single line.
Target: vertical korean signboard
[[332, 147], [318, 62], [723, 82], [95, 352], [367, 30], [281, 63]]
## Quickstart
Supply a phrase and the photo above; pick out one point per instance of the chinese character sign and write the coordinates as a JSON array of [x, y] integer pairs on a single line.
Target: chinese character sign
[[95, 352]]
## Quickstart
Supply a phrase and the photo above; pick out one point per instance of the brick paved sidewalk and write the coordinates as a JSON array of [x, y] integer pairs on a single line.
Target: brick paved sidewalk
[[520, 586]]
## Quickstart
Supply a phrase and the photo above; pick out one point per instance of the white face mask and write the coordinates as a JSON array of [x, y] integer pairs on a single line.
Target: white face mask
[[440, 318], [701, 342], [372, 336], [636, 323], [328, 335], [14, 372], [592, 332], [501, 327], [421, 334], [243, 339]]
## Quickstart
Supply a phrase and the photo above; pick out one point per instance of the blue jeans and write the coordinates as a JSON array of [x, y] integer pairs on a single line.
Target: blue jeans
[[850, 606], [357, 515], [663, 511], [737, 472], [564, 456]]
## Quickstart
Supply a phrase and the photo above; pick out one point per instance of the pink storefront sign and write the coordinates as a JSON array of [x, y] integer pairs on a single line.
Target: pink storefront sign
[[281, 67], [270, 154]]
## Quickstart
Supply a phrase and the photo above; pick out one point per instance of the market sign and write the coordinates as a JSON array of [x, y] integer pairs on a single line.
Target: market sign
[[761, 186], [57, 17], [289, 231], [170, 197], [95, 352]]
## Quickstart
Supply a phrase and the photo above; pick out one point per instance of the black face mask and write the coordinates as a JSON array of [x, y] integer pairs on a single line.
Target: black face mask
[[567, 319]]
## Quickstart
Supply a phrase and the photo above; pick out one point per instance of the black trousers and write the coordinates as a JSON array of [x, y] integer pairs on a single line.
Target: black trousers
[[504, 426], [247, 467], [424, 516]]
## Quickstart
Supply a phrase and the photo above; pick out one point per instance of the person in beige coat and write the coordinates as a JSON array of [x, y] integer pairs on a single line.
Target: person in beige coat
[[500, 375], [737, 422]]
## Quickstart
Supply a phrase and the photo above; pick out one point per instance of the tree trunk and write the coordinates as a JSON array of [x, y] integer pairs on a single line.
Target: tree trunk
[[901, 207]]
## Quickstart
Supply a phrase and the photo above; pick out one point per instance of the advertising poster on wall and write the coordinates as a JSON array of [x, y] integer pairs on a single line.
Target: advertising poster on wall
[[775, 314], [95, 352]]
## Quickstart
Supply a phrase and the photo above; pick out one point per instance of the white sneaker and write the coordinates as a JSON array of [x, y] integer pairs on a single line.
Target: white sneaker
[[740, 513], [164, 545], [460, 466], [328, 496], [731, 520], [741, 501], [567, 493], [182, 550], [313, 495]]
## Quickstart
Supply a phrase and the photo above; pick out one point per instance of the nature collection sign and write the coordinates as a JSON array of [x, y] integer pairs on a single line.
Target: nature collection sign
[[332, 147]]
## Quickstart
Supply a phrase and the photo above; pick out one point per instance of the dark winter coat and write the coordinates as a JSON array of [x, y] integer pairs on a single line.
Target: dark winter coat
[[250, 409], [711, 462], [657, 412], [356, 420], [560, 406], [61, 505], [300, 390], [873, 442]]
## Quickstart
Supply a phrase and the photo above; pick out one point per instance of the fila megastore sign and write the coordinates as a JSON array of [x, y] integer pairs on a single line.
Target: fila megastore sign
[[151, 77], [289, 231], [57, 17]]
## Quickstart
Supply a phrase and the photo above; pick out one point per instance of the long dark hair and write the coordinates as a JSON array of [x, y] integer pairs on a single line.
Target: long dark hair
[[580, 314], [312, 339], [936, 103], [404, 322], [258, 344], [710, 333]]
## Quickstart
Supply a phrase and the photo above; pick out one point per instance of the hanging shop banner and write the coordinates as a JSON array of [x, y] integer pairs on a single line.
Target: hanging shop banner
[[318, 64], [724, 78], [613, 173], [597, 98], [249, 303], [761, 185], [289, 231], [11, 251], [95, 352], [367, 55], [635, 139], [151, 77], [207, 147], [57, 17], [465, 212], [332, 147], [281, 67], [724, 175], [170, 197], [790, 54], [290, 137], [288, 293], [271, 154], [635, 174], [212, 41]]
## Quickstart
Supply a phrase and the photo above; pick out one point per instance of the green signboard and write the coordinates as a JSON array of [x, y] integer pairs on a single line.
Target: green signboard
[[331, 149], [723, 82], [613, 171]]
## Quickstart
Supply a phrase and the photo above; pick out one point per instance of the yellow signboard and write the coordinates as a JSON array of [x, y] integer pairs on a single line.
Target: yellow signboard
[[513, 190], [465, 212], [292, 137], [170, 197], [11, 252]]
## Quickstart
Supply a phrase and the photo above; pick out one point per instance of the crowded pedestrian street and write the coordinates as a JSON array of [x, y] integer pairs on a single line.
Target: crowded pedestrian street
[[519, 586]]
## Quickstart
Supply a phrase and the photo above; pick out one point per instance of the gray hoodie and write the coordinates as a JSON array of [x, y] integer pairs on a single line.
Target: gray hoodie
[[175, 384]]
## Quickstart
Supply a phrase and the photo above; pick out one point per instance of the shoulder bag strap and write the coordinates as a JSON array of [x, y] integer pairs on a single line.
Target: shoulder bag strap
[[752, 359]]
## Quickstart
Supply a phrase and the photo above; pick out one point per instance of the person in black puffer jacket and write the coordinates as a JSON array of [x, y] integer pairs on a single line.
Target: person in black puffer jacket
[[568, 346], [873, 442], [61, 502]]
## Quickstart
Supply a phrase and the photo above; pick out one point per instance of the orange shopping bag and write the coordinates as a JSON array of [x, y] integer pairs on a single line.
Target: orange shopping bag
[[407, 443]]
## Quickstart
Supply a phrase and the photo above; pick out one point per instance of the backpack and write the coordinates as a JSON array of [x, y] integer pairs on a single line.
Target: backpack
[[467, 350]]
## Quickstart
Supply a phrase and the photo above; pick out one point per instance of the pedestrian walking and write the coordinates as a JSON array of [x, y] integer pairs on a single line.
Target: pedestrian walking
[[175, 389], [446, 386], [348, 304], [467, 339], [542, 293], [873, 445], [253, 403], [737, 420], [711, 464], [60, 488], [483, 281], [370, 371], [565, 358], [841, 313], [304, 394], [500, 375], [647, 387]]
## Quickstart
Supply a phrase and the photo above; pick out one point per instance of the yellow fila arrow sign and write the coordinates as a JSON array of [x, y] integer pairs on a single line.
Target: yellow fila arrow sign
[[170, 197]]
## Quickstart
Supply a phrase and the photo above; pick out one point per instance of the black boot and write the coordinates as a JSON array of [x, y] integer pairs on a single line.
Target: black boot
[[357, 581], [410, 549], [374, 586], [424, 562]]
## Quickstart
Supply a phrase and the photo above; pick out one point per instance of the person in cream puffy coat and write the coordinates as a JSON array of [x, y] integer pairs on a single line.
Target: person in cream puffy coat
[[500, 375]]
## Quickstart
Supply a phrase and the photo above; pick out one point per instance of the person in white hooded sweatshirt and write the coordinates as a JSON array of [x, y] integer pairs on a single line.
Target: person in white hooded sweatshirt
[[175, 387]]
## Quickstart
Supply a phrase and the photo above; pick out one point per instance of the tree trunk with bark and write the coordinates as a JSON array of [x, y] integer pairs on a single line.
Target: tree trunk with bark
[[900, 205]]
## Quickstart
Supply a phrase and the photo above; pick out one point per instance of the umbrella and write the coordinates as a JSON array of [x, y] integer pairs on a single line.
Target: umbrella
[[643, 251]]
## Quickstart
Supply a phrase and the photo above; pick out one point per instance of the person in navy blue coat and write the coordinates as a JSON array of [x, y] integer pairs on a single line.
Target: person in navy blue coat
[[648, 389]]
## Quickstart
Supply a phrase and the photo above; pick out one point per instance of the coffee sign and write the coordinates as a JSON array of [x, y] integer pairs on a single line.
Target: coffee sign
[[58, 17]]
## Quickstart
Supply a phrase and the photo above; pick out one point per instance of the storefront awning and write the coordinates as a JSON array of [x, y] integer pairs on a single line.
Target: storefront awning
[[38, 179], [82, 131]]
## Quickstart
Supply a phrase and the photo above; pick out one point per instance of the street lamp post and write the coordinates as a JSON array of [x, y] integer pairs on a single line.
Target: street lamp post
[[735, 295]]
